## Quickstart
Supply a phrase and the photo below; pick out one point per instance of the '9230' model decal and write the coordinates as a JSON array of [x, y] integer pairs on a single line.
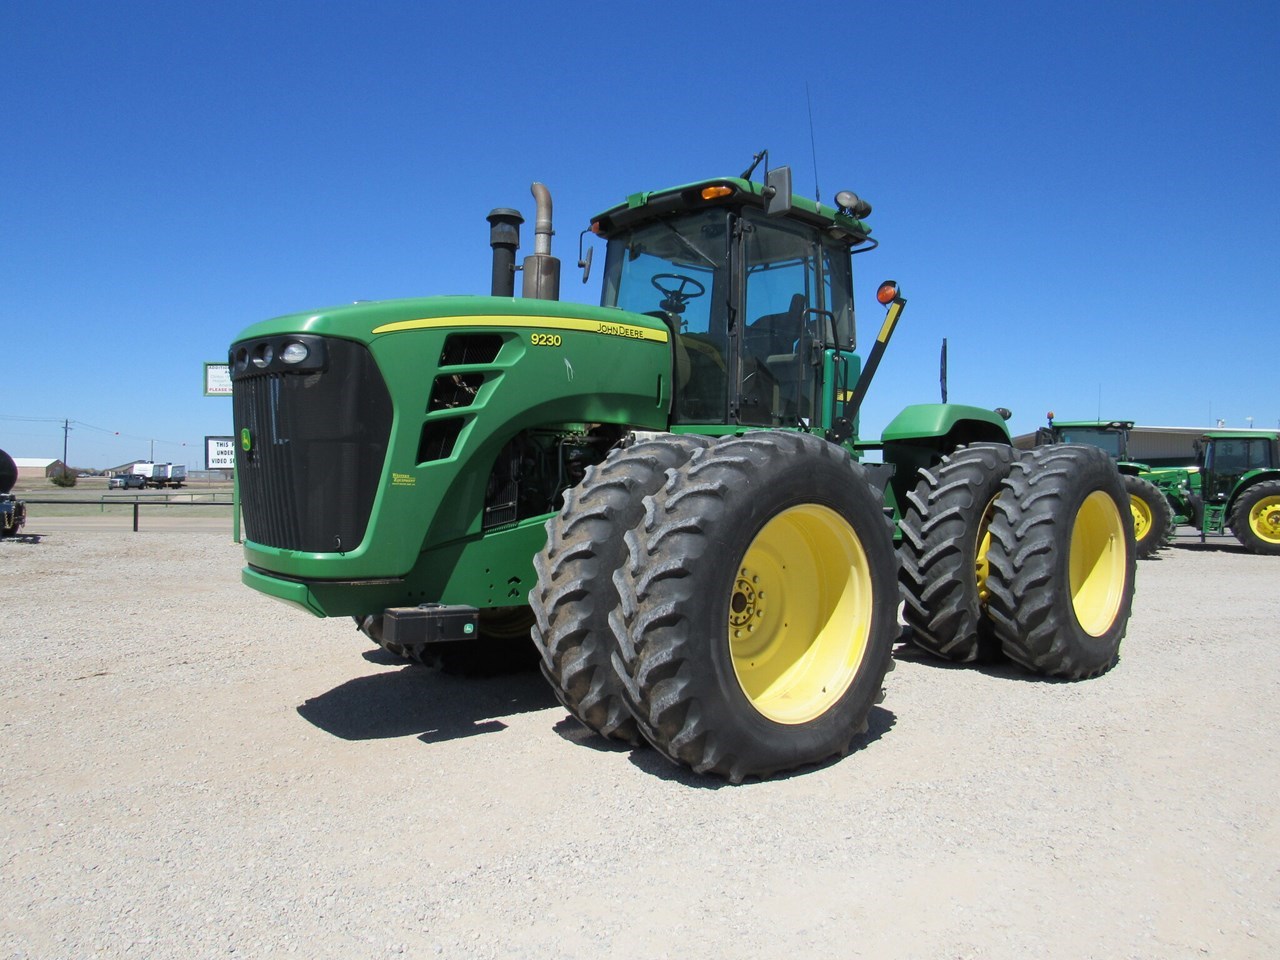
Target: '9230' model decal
[[545, 339]]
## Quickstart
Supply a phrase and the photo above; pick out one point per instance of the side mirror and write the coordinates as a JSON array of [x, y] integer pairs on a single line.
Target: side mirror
[[777, 191], [584, 261]]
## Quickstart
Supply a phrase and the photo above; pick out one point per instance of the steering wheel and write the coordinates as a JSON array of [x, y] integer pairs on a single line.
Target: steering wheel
[[678, 293]]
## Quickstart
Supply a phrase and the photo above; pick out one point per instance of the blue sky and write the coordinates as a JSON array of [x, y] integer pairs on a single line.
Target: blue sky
[[1081, 197]]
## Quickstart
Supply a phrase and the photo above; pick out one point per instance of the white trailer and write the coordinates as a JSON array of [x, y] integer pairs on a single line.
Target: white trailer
[[174, 474]]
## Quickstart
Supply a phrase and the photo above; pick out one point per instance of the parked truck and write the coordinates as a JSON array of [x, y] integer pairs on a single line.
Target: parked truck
[[13, 512], [1152, 514], [667, 493]]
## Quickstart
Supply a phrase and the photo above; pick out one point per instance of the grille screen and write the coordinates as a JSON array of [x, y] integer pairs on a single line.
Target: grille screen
[[317, 445]]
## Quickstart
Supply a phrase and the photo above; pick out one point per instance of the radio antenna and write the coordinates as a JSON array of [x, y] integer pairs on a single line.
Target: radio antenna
[[813, 150]]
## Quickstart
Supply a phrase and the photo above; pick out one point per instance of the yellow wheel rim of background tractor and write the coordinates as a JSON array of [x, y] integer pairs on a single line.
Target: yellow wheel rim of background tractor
[[1264, 518], [1141, 511], [800, 614], [1097, 563]]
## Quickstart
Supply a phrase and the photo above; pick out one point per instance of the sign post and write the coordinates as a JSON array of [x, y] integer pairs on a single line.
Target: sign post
[[219, 452]]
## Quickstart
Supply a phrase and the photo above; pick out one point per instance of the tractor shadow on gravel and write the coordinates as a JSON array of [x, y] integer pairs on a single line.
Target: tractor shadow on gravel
[[426, 703], [904, 651], [435, 707], [29, 538], [1212, 545], [879, 722]]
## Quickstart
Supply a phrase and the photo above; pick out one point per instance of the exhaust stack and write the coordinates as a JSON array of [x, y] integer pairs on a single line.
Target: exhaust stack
[[541, 269]]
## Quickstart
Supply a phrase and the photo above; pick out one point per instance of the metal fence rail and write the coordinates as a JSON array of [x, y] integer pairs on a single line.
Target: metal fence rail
[[136, 504]]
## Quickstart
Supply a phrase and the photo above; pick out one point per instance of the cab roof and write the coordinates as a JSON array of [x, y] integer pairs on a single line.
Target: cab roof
[[639, 207]]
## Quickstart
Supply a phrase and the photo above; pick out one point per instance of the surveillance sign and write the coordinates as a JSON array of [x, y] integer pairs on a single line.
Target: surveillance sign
[[220, 453], [217, 379]]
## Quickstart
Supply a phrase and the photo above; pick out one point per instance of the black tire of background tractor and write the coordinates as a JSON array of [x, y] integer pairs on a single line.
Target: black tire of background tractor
[[1260, 505], [575, 592], [752, 535], [943, 571], [1059, 501], [1156, 532]]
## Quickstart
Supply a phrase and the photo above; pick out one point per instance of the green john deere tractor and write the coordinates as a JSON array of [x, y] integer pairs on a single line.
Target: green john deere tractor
[[1235, 485], [1152, 514], [666, 491]]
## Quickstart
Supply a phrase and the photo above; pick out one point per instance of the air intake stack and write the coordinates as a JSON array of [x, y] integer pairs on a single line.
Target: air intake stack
[[504, 237]]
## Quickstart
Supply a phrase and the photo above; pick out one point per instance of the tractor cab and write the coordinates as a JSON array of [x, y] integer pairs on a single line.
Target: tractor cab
[[1111, 436], [1226, 458], [757, 295]]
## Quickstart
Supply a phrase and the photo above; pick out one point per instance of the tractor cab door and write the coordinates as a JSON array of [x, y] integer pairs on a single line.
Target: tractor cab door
[[796, 303]]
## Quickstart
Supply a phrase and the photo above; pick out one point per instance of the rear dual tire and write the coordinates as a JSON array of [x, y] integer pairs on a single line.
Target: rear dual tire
[[943, 553], [1029, 554], [1062, 562]]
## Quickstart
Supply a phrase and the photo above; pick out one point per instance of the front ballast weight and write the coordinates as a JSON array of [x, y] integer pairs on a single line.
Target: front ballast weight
[[412, 627]]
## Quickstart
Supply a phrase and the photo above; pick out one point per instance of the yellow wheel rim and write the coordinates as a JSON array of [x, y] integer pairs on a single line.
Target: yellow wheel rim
[[1097, 564], [800, 614], [981, 565], [1141, 511], [1264, 518]]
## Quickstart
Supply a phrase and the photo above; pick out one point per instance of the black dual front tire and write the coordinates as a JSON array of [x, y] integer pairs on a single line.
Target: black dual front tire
[[1062, 562], [757, 607], [575, 592]]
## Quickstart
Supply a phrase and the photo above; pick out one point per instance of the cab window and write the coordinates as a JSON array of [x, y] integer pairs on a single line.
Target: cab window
[[796, 296]]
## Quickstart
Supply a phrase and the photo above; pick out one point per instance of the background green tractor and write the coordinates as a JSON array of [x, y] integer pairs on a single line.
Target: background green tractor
[[1152, 513], [666, 491], [1235, 485]]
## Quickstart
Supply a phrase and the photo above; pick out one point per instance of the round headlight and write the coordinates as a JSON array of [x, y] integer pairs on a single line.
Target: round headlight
[[294, 352], [242, 358], [263, 355]]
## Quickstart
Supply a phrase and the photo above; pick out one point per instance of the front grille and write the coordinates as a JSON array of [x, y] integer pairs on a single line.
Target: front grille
[[317, 441]]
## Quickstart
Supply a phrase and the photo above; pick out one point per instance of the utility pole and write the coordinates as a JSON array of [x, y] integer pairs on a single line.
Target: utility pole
[[66, 428]]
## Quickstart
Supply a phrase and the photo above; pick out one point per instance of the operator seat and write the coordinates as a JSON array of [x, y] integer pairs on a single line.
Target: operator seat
[[772, 343], [776, 333]]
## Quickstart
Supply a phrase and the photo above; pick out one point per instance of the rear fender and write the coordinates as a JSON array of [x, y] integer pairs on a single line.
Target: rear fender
[[923, 433]]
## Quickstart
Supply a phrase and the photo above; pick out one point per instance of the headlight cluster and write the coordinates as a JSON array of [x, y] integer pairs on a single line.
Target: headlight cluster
[[283, 354]]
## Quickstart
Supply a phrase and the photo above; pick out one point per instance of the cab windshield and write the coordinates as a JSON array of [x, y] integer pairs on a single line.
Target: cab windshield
[[678, 271], [1111, 441]]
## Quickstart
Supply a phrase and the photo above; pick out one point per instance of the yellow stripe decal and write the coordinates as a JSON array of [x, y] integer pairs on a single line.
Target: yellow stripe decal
[[625, 330], [890, 322]]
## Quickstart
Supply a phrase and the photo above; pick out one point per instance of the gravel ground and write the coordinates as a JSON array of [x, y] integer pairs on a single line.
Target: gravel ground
[[192, 770]]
